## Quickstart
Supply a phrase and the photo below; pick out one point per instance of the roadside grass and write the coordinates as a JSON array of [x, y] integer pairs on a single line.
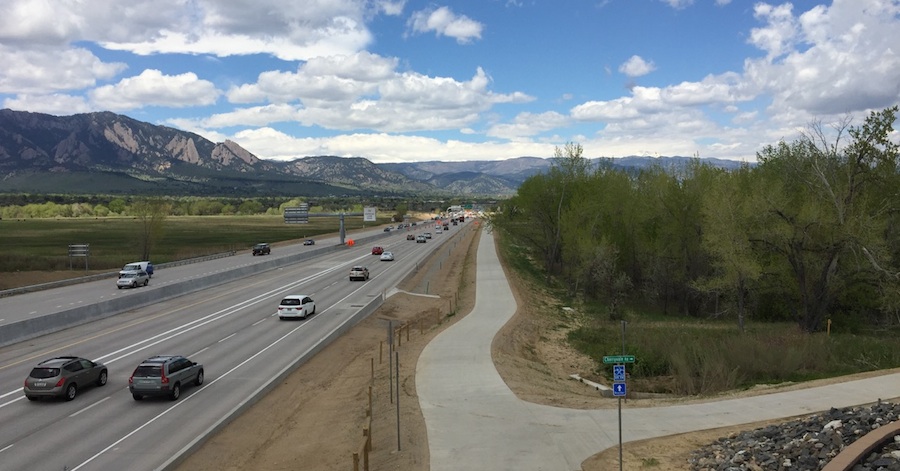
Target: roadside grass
[[42, 244], [695, 356]]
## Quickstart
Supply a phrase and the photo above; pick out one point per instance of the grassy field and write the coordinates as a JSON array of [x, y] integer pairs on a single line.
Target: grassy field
[[42, 244], [698, 356]]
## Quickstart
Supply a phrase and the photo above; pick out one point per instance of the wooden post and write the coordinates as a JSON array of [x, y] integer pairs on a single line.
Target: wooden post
[[369, 412], [380, 351], [407, 332], [355, 461], [366, 461], [371, 372]]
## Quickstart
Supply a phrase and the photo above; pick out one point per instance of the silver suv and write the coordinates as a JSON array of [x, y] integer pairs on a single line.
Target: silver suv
[[164, 375], [133, 279], [62, 376]]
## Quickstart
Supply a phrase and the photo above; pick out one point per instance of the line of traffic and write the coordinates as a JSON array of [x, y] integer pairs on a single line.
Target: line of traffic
[[197, 323]]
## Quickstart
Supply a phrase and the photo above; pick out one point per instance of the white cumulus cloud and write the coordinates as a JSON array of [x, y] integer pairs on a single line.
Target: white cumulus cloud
[[151, 87], [443, 22], [636, 66]]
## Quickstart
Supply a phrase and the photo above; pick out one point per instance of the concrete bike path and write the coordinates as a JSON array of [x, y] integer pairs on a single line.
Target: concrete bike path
[[475, 422]]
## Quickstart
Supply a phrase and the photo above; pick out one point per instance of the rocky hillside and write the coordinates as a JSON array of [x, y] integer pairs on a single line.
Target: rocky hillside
[[111, 153]]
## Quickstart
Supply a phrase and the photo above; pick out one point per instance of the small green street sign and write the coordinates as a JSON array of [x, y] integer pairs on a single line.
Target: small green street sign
[[618, 359]]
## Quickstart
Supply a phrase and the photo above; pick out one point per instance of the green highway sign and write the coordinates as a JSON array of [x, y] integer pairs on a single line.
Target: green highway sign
[[618, 359]]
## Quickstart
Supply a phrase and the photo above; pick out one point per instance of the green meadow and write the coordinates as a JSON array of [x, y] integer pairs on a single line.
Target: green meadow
[[42, 244]]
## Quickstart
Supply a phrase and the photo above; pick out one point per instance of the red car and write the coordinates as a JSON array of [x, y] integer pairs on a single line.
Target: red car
[[377, 250]]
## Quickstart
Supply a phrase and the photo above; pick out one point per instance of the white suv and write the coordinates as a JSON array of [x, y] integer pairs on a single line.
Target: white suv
[[296, 305]]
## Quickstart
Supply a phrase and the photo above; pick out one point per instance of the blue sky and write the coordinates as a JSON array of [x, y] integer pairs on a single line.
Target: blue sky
[[411, 80]]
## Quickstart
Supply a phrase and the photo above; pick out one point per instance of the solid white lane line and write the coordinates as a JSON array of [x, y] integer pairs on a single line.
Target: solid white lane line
[[226, 338], [6, 448], [185, 400], [198, 352]]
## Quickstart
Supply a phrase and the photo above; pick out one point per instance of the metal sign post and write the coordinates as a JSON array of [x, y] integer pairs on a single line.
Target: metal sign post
[[620, 390], [369, 214], [298, 215], [79, 250]]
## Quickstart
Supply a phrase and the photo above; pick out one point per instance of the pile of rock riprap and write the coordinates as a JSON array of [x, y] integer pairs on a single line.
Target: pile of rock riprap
[[803, 444]]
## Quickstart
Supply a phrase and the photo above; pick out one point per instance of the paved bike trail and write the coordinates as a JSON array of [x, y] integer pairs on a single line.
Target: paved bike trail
[[475, 422]]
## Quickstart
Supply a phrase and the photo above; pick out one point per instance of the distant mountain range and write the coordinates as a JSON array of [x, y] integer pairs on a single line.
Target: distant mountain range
[[108, 153]]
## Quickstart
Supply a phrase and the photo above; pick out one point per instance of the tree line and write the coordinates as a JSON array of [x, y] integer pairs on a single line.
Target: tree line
[[32, 206], [807, 234]]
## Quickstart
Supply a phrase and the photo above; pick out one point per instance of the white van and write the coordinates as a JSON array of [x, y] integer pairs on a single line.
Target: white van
[[137, 266]]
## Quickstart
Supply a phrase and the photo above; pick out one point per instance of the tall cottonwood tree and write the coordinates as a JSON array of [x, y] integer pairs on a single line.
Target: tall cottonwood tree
[[730, 216], [535, 214], [824, 216], [151, 213]]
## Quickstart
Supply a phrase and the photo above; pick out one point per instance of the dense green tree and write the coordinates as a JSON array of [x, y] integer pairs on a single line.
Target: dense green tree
[[117, 206], [730, 216], [101, 211], [825, 216], [536, 212], [400, 211]]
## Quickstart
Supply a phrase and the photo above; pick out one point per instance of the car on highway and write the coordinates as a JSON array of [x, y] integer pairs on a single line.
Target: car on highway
[[388, 229], [62, 377], [360, 273], [296, 305], [309, 242], [427, 235], [387, 257], [420, 239], [377, 250], [137, 266], [410, 237], [164, 375], [133, 279], [262, 249]]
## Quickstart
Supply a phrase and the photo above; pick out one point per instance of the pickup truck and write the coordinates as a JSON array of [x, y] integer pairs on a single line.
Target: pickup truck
[[359, 273]]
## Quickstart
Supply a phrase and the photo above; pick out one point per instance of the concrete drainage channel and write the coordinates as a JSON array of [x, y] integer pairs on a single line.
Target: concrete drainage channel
[[42, 325]]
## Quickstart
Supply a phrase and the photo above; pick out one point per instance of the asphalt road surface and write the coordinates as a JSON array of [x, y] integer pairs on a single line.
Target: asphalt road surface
[[231, 329]]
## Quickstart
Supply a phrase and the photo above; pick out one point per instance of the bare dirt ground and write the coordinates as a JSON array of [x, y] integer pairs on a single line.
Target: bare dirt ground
[[315, 419]]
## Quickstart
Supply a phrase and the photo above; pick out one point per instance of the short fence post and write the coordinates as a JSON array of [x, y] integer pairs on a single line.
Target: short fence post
[[368, 448]]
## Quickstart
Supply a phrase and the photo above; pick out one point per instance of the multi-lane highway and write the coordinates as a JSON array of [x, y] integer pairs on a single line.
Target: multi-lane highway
[[230, 328]]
